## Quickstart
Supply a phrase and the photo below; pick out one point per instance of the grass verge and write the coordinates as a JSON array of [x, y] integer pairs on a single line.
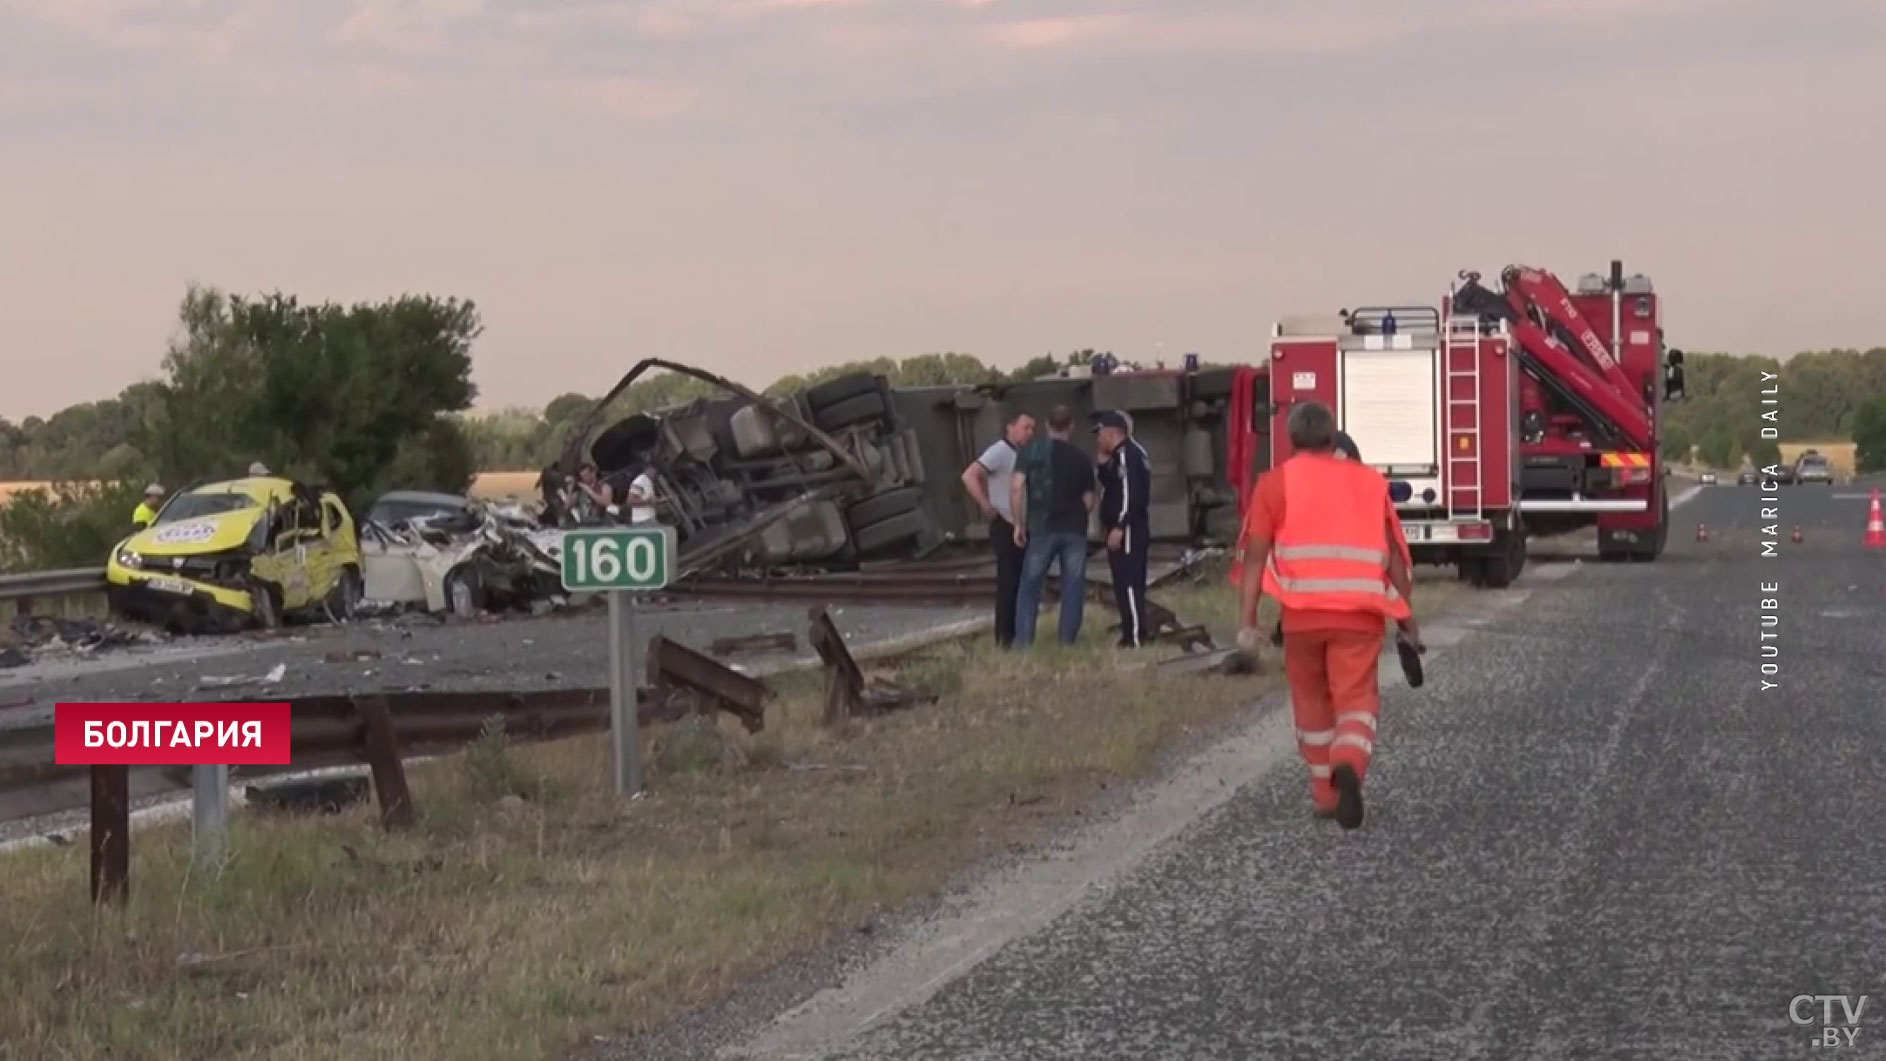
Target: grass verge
[[530, 909]]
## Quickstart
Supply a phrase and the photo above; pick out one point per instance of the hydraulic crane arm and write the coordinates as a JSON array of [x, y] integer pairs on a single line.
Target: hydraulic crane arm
[[1613, 408], [1525, 286]]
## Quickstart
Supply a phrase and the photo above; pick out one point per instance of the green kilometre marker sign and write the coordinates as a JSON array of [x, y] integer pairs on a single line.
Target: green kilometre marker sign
[[623, 562]]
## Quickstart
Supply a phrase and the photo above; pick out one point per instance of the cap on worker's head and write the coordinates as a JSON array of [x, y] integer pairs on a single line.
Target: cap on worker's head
[[153, 490], [1347, 447], [258, 468], [1110, 418]]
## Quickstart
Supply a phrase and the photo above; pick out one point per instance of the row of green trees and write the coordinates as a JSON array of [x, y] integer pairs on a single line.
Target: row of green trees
[[1823, 396], [360, 397]]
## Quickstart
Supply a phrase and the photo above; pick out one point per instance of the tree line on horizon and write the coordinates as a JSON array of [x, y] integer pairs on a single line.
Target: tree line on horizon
[[372, 397]]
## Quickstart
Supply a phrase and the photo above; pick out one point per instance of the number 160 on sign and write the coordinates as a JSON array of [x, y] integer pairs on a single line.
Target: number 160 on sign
[[618, 558]]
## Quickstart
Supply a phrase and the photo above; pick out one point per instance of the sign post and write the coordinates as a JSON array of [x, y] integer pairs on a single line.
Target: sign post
[[623, 562], [209, 806]]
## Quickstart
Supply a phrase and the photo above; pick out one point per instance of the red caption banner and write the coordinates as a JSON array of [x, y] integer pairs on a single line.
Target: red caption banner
[[171, 734]]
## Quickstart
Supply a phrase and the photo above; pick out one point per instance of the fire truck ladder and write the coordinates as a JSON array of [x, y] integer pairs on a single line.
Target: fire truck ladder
[[1460, 369]]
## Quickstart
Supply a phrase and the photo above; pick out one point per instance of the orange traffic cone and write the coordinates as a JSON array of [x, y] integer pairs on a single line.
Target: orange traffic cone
[[1797, 532], [1875, 525], [1702, 532]]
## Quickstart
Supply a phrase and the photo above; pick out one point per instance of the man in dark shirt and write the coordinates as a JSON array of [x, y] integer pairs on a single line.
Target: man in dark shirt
[[1126, 482], [1053, 495]]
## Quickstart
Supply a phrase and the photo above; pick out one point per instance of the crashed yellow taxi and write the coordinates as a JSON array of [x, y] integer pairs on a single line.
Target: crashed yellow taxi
[[237, 554]]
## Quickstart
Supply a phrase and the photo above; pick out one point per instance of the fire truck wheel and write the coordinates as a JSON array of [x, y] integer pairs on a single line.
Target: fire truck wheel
[[842, 389], [855, 410]]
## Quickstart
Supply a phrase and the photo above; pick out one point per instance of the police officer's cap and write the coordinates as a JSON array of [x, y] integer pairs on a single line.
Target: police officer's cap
[[1110, 418]]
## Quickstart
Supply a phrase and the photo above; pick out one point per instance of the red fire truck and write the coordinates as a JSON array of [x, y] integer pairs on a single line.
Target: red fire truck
[[1498, 415]]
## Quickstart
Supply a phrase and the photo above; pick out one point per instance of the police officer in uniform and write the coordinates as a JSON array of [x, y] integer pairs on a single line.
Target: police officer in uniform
[[1126, 480]]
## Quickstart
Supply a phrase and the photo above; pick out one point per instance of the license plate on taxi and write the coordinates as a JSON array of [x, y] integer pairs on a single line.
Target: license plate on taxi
[[169, 585]]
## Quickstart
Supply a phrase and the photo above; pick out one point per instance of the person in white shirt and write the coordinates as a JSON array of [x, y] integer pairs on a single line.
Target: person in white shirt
[[641, 497]]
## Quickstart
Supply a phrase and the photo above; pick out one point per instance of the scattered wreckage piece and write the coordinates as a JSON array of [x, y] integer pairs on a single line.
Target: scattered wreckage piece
[[29, 637], [679, 674], [784, 641], [847, 692]]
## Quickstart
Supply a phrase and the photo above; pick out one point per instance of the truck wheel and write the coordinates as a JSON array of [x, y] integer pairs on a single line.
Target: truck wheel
[[1471, 570], [855, 410], [1500, 569], [842, 389], [886, 534], [880, 507]]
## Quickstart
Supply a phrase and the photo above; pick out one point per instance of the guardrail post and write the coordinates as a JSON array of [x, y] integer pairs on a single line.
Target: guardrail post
[[209, 813], [381, 750], [111, 834], [844, 682]]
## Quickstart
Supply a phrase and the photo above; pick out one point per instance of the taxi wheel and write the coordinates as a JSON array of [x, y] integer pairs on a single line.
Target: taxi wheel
[[264, 606], [344, 602]]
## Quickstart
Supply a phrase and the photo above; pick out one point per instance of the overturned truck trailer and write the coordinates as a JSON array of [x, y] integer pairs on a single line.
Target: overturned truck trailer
[[854, 471]]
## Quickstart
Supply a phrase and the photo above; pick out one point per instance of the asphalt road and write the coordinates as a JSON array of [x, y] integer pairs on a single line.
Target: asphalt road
[[1592, 834], [515, 654]]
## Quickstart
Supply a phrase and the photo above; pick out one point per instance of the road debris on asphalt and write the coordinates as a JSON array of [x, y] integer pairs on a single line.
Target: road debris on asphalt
[[29, 638]]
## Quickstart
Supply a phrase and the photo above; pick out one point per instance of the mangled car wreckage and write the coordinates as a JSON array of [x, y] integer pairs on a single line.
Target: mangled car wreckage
[[445, 554], [239, 553]]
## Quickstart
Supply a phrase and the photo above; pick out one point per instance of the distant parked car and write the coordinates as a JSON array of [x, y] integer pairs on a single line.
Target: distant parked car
[[1747, 478], [1813, 468], [1709, 478]]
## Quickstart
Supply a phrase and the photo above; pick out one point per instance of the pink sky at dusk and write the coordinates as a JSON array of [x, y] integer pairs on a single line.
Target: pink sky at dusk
[[766, 186]]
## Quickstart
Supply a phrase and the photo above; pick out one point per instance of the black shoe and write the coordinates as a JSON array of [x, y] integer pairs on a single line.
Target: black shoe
[[1348, 796]]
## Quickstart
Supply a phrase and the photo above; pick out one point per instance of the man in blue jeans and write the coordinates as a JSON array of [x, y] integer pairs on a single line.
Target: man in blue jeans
[[1052, 494]]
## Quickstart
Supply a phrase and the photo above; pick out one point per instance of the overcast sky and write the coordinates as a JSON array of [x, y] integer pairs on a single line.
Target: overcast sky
[[765, 186]]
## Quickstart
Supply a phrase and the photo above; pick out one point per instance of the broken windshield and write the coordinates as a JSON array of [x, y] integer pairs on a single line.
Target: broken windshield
[[191, 506]]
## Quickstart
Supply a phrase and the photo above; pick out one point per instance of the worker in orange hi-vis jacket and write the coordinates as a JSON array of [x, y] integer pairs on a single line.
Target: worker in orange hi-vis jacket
[[1346, 450], [1322, 538]]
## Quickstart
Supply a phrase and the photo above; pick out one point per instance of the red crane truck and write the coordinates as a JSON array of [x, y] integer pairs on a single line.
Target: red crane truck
[[1498, 415]]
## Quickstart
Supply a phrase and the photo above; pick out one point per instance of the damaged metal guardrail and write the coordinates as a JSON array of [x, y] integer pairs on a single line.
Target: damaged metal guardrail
[[25, 589]]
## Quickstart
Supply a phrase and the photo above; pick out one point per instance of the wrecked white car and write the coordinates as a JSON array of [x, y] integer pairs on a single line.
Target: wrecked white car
[[445, 554]]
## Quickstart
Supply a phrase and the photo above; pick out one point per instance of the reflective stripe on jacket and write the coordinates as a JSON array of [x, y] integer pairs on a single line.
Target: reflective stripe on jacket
[[1331, 553]]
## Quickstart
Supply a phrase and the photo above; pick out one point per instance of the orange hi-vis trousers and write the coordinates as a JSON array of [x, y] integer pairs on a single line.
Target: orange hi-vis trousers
[[1336, 701]]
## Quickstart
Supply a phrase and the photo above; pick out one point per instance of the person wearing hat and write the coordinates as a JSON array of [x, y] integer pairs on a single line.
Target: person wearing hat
[[258, 469], [146, 512], [1126, 482]]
